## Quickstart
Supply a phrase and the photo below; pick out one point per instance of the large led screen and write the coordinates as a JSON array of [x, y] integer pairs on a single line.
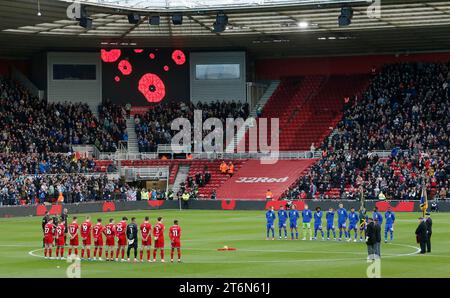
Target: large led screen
[[143, 77]]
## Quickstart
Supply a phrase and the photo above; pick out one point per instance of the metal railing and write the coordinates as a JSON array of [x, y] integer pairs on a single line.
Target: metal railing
[[87, 150], [166, 148], [127, 156], [169, 148], [259, 155], [147, 172], [109, 175]]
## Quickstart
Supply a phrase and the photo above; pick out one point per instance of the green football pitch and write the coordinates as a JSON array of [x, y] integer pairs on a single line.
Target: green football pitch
[[203, 232]]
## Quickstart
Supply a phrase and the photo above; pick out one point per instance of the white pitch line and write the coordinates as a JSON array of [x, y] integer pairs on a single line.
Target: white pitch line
[[405, 245], [32, 253], [16, 245], [277, 251]]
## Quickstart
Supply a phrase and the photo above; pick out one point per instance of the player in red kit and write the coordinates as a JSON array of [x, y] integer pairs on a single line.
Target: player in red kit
[[175, 236], [49, 232], [73, 234], [121, 229], [158, 234], [60, 239], [97, 232], [146, 231], [110, 233], [86, 230]]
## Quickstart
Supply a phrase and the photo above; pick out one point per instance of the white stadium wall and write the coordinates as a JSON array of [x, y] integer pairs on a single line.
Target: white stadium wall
[[208, 83], [75, 90]]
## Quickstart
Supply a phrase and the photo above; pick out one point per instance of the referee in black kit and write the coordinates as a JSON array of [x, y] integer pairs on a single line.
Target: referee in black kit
[[132, 236], [45, 220]]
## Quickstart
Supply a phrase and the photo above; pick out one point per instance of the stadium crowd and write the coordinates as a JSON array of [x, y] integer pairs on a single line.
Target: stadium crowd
[[29, 124], [406, 107], [405, 110], [36, 137], [154, 126], [112, 122], [63, 177], [72, 188], [46, 177], [397, 177], [44, 163]]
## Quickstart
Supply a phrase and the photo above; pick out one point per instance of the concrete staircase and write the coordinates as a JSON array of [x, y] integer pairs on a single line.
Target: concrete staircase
[[261, 103], [132, 137], [265, 97], [182, 175]]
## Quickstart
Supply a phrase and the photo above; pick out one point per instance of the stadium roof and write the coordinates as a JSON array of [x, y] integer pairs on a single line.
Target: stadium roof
[[192, 5], [264, 29]]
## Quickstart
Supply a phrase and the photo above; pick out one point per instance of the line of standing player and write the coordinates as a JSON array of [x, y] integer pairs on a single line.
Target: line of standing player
[[54, 233], [357, 221]]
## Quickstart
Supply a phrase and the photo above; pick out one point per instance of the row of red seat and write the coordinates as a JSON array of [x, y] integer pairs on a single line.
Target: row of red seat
[[308, 107], [217, 178]]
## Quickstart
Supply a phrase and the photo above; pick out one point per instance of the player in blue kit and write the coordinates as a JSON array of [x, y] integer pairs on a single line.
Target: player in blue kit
[[330, 223], [282, 218], [293, 218], [342, 221], [353, 220], [377, 216], [270, 217], [318, 223], [389, 227], [306, 219]]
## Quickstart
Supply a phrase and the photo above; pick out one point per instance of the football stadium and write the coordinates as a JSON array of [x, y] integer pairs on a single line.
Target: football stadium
[[224, 139]]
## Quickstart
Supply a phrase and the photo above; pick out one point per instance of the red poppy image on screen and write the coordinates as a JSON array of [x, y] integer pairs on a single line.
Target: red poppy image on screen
[[152, 87], [125, 67], [178, 57], [110, 56], [145, 77]]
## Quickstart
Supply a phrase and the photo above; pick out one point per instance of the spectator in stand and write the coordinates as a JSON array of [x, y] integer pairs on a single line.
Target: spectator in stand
[[198, 178], [153, 195], [190, 182], [230, 170], [223, 167], [312, 149], [144, 195], [207, 175]]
